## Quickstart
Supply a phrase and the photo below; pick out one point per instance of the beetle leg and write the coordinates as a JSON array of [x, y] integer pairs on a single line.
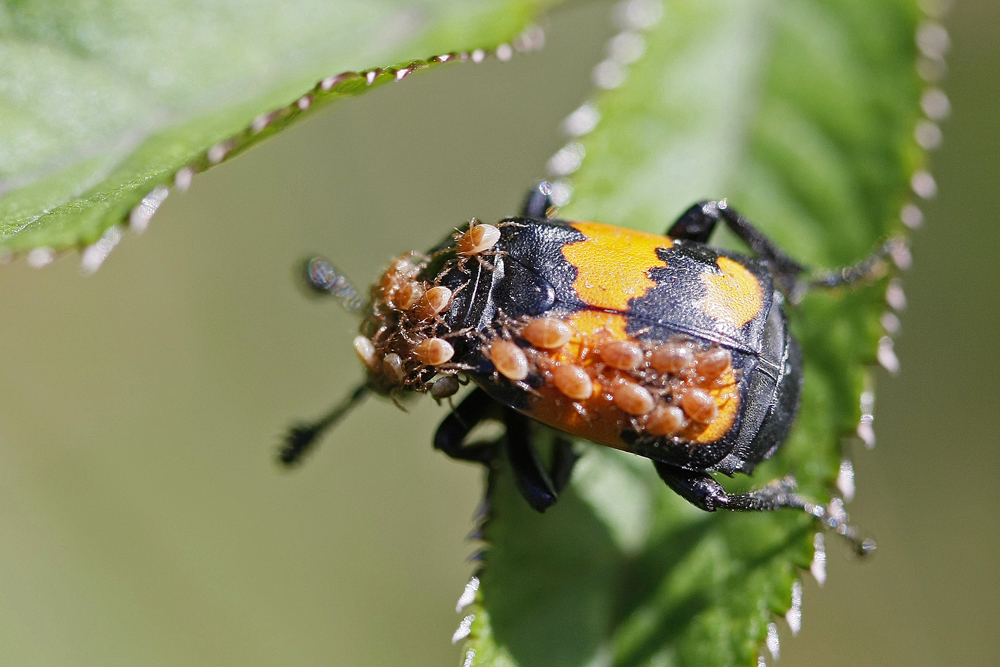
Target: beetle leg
[[450, 436], [699, 489], [532, 479], [698, 223], [538, 202], [695, 224], [564, 458], [539, 487], [702, 491]]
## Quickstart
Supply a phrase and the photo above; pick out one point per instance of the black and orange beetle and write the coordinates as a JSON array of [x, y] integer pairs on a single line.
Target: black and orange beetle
[[661, 346]]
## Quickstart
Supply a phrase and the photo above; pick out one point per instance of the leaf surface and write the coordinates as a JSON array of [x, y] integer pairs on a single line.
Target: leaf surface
[[103, 103]]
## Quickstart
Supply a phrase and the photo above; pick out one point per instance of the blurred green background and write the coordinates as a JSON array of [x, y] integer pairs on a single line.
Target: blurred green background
[[144, 522]]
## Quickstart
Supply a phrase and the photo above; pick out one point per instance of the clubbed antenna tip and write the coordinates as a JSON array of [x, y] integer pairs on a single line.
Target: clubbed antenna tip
[[323, 278], [297, 441], [302, 437]]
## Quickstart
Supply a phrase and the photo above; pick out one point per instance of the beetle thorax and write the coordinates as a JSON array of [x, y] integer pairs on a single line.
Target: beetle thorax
[[406, 341]]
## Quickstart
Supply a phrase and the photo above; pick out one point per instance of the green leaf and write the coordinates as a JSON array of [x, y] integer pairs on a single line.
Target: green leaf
[[801, 113], [103, 103]]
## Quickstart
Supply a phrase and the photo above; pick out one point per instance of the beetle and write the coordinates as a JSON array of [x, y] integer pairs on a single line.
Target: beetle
[[661, 346]]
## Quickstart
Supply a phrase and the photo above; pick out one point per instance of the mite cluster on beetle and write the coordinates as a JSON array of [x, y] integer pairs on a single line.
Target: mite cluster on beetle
[[678, 388], [661, 346], [404, 340]]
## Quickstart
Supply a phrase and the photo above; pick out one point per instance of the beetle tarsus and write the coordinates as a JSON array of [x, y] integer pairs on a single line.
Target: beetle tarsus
[[835, 518], [871, 268], [702, 491]]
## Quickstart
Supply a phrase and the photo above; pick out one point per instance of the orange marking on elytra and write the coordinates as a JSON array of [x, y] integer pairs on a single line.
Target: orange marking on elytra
[[733, 296], [727, 399], [613, 264], [589, 329], [603, 422]]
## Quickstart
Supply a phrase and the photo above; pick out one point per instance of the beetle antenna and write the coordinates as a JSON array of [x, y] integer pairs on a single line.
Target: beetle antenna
[[322, 278], [301, 437]]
